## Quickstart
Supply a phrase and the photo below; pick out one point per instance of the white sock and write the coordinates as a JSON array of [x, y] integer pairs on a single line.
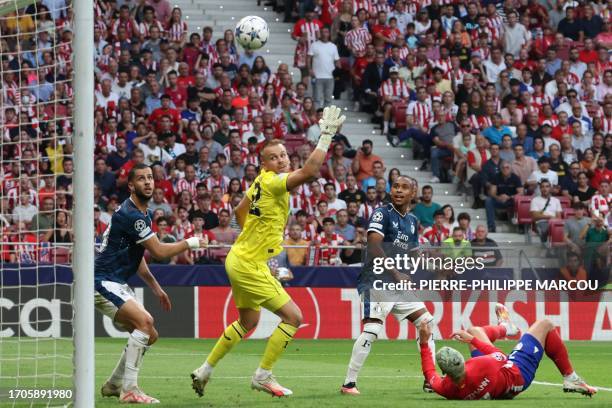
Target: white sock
[[385, 126], [206, 369], [136, 347], [361, 350], [116, 377], [432, 346], [572, 377], [261, 373]]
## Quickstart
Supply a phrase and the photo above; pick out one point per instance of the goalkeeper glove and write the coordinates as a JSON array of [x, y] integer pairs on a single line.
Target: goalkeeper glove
[[329, 125]]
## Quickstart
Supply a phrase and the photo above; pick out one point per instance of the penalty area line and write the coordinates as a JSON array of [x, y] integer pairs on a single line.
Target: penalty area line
[[549, 384]]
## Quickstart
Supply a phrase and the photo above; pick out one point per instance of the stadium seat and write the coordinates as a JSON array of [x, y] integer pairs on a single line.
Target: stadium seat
[[292, 142], [399, 115], [568, 212], [61, 255], [522, 204], [566, 202], [556, 232]]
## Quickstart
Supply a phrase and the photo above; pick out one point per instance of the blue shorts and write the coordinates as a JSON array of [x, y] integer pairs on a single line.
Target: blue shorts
[[527, 355]]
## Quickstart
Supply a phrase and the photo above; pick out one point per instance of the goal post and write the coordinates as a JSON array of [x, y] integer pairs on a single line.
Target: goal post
[[83, 259]]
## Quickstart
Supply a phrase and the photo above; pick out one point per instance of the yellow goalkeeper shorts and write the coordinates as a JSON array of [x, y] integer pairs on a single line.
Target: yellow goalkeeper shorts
[[253, 285]]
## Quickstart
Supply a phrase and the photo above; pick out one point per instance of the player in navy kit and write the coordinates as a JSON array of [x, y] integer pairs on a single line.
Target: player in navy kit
[[120, 256], [397, 229]]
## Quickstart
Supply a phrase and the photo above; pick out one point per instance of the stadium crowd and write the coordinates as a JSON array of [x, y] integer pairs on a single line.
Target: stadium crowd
[[503, 98]]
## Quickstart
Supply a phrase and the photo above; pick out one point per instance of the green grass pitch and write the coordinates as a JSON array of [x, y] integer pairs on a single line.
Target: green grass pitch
[[313, 369]]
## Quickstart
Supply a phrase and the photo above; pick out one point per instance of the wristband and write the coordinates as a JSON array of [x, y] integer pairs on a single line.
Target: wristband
[[193, 242]]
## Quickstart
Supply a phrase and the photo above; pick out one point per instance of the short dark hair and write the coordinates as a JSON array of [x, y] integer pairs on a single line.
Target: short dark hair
[[134, 169], [464, 216], [327, 220]]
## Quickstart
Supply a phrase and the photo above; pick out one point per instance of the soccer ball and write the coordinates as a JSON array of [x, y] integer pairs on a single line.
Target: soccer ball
[[252, 32]]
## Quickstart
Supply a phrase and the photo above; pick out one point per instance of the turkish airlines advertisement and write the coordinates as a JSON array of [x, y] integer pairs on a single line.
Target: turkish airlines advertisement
[[334, 313]]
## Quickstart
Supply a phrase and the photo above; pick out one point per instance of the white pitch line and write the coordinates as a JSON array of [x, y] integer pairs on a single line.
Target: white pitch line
[[175, 377], [561, 385]]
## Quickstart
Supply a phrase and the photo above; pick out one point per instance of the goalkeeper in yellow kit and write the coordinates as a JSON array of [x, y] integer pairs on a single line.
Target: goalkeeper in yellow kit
[[262, 214]]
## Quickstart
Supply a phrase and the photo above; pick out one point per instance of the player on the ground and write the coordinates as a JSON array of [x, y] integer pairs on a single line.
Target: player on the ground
[[119, 257], [395, 227], [262, 214], [490, 374]]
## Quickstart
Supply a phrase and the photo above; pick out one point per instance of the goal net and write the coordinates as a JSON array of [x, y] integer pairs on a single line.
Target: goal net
[[36, 236]]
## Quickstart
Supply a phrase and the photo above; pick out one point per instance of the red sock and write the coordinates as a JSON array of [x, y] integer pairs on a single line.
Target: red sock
[[556, 351], [494, 332]]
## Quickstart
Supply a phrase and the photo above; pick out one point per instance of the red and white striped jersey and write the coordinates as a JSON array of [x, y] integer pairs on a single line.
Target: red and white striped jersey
[[251, 112], [484, 53], [107, 140], [176, 31], [394, 90], [144, 28], [227, 149], [572, 79], [329, 243], [221, 205], [539, 100], [13, 196], [435, 235], [309, 232], [530, 109], [129, 26], [600, 205], [221, 181], [357, 39], [366, 210], [553, 121], [412, 6], [340, 186], [456, 75], [480, 122], [378, 7], [496, 101], [443, 64], [496, 23], [421, 112], [311, 29], [252, 159], [183, 185], [362, 4], [242, 126], [297, 202], [606, 124]]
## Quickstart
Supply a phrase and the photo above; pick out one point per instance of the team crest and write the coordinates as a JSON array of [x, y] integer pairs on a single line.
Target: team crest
[[377, 217], [395, 224], [140, 225]]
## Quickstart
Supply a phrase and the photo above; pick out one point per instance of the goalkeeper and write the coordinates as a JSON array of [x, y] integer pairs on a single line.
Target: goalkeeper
[[120, 257], [262, 214]]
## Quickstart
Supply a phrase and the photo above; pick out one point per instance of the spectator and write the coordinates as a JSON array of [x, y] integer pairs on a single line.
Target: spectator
[[298, 255], [164, 236], [456, 246], [570, 182], [583, 192], [323, 58], [24, 211], [203, 204], [363, 163], [602, 201], [502, 190], [328, 242], [343, 227], [437, 232], [373, 76], [601, 172], [543, 208], [43, 220], [378, 172], [570, 27], [426, 208], [596, 237], [352, 209], [516, 35], [159, 202], [62, 232], [542, 173], [573, 269], [476, 158], [485, 248], [463, 222], [573, 228], [442, 135], [495, 133], [224, 234], [523, 166], [200, 255]]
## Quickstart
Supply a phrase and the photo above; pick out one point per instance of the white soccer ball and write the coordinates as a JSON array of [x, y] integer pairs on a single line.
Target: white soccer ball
[[252, 32]]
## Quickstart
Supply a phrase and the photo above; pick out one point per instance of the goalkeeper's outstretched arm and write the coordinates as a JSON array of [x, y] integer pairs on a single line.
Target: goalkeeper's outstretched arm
[[329, 124]]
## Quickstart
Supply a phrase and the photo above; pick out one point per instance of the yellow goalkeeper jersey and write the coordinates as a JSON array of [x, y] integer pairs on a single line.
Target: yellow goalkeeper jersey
[[262, 234]]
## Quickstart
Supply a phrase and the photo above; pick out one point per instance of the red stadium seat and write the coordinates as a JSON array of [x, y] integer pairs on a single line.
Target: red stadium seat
[[568, 212], [522, 204], [62, 255], [399, 114], [292, 142], [556, 232], [566, 202]]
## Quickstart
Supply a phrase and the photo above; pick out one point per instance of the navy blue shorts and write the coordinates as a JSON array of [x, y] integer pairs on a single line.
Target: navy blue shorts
[[527, 355]]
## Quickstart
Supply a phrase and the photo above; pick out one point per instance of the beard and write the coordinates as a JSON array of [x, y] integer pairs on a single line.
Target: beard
[[142, 196]]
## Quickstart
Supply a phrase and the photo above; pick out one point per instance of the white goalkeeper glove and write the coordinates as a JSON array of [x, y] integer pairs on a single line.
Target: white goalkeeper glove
[[329, 125]]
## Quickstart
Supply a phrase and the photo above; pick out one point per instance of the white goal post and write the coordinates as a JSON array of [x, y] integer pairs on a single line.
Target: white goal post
[[83, 260]]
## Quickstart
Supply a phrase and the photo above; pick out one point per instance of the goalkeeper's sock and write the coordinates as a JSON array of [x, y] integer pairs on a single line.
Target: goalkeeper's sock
[[555, 349], [134, 352], [277, 343], [495, 332], [361, 351], [230, 337], [116, 377]]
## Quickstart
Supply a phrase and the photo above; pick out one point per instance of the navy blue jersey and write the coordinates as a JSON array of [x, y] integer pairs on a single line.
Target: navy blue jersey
[[121, 253], [400, 235]]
